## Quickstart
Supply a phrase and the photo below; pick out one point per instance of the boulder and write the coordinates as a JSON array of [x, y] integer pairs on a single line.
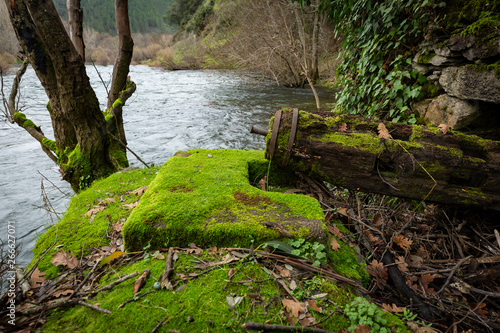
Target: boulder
[[452, 111], [472, 82]]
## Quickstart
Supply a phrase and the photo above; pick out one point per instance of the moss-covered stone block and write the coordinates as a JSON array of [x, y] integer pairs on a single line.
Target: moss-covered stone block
[[205, 197]]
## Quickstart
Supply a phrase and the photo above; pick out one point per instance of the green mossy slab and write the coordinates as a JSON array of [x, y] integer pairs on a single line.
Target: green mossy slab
[[205, 197]]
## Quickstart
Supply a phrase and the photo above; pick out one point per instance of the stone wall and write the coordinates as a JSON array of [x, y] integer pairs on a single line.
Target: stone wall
[[463, 73]]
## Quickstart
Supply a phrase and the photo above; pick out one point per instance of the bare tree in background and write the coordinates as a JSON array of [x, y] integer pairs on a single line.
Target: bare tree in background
[[88, 143], [278, 38]]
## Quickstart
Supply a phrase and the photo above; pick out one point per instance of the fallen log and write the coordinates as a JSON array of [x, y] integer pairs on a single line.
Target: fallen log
[[418, 162]]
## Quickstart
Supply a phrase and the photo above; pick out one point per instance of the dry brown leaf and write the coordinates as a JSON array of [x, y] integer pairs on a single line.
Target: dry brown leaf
[[421, 252], [378, 271], [343, 127], [444, 128], [425, 280], [262, 183], [402, 265], [230, 273], [312, 304], [106, 201], [141, 281], [362, 329], [416, 260], [480, 310], [393, 308], [94, 210], [37, 278], [383, 133], [130, 206], [283, 271], [378, 220], [294, 307], [159, 256], [334, 244], [65, 259], [117, 226], [402, 242], [373, 240], [334, 230], [140, 190]]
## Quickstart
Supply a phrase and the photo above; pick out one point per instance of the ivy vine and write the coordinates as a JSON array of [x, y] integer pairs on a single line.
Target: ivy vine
[[379, 41]]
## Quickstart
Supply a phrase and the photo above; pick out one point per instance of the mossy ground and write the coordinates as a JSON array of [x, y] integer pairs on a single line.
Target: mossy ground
[[204, 297], [76, 231], [201, 304]]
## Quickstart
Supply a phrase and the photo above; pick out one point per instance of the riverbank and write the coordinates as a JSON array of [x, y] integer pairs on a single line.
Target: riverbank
[[212, 289]]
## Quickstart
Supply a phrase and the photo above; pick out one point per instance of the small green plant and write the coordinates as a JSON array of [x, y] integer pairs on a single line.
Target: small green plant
[[314, 252], [407, 315], [362, 312]]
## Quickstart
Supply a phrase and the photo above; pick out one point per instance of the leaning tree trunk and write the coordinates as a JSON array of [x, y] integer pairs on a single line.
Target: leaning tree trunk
[[75, 19], [417, 162], [82, 140]]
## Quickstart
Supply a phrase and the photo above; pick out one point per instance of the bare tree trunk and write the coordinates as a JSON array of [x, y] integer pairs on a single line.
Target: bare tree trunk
[[120, 83], [82, 142], [315, 42], [75, 18]]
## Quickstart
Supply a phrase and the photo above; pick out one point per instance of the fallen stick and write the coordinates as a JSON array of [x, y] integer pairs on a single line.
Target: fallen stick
[[112, 284], [281, 328], [168, 269]]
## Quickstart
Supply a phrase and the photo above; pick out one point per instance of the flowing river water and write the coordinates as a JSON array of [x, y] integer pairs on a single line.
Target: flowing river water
[[170, 111]]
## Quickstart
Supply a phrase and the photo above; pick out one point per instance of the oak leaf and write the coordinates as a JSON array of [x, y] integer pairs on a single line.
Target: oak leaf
[[294, 307], [37, 278], [383, 133], [362, 329], [65, 259], [106, 201], [392, 308], [334, 244], [402, 242], [334, 230], [94, 210], [444, 128], [402, 265], [378, 271], [140, 190], [480, 309], [131, 205], [262, 183], [343, 127]]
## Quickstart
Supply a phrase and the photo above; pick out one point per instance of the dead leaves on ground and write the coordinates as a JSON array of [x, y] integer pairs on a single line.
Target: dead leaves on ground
[[103, 204], [65, 258]]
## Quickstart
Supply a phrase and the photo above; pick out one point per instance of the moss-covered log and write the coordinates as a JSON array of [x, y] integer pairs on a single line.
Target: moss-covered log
[[346, 151]]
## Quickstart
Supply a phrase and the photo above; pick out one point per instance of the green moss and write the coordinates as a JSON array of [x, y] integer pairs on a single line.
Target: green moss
[[216, 206], [51, 144], [118, 103], [460, 13], [424, 58], [76, 231], [21, 119], [49, 108], [482, 28], [118, 154]]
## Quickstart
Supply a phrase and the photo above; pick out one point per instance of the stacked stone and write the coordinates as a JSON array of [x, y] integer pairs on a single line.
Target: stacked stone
[[461, 75]]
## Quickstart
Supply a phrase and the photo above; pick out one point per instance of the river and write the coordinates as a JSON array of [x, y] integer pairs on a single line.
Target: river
[[170, 111]]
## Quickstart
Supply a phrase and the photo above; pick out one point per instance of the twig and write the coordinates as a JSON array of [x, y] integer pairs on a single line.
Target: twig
[[94, 307], [135, 298], [77, 289], [130, 150], [448, 280], [168, 269], [112, 284]]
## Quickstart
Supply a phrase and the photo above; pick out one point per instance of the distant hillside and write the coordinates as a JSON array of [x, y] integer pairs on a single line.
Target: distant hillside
[[145, 16]]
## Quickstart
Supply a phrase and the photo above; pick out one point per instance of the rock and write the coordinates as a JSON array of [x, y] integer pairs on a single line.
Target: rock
[[472, 82], [452, 111], [440, 61]]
